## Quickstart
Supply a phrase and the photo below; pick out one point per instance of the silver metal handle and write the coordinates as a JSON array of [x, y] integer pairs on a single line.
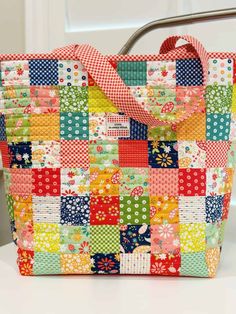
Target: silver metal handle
[[176, 21]]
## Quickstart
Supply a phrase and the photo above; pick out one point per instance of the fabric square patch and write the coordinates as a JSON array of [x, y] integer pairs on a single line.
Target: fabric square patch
[[135, 239], [76, 264], [46, 237], [46, 154], [192, 154], [232, 136], [165, 264], [214, 208], [20, 155], [74, 126], [226, 206], [4, 155], [105, 263], [104, 181], [72, 73], [165, 239], [103, 153], [216, 181], [189, 72], [186, 132], [15, 73], [97, 126], [220, 72], [74, 239], [216, 153], [46, 264], [43, 99], [218, 127], [163, 154], [192, 182], [192, 209], [138, 263], [234, 96], [212, 260], [162, 133], [163, 181], [213, 234], [46, 209], [192, 237], [138, 131], [134, 181], [3, 136], [46, 182], [134, 210], [18, 128], [73, 99], [164, 209], [133, 153], [74, 210], [74, 154], [25, 262], [98, 101], [194, 264], [218, 99], [39, 130], [16, 185], [133, 73], [104, 210], [74, 181], [161, 73], [43, 72], [105, 239]]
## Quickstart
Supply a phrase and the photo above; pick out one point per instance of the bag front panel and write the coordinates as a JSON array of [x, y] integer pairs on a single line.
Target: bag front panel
[[92, 191]]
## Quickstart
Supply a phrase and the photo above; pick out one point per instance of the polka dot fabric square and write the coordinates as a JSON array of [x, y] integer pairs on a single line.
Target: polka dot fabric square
[[91, 190]]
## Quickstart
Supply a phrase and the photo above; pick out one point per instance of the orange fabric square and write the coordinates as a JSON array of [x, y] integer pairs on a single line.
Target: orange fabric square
[[39, 130], [164, 209], [163, 181], [74, 154], [21, 182], [133, 153], [193, 128]]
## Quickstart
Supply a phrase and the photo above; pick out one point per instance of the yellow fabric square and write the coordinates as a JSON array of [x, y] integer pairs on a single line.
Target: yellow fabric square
[[46, 237], [39, 130], [23, 211], [104, 181], [98, 101], [76, 264], [164, 209], [192, 237], [234, 99], [193, 128]]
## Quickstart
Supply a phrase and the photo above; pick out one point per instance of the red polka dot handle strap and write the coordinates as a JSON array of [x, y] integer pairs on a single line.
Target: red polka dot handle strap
[[113, 86]]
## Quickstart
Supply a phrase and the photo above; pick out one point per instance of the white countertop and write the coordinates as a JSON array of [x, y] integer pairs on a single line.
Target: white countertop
[[119, 294]]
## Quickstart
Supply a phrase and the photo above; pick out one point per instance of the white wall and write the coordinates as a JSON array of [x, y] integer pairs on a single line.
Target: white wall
[[11, 40]]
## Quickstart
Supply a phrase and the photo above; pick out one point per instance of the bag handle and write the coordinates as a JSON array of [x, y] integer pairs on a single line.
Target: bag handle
[[113, 86]]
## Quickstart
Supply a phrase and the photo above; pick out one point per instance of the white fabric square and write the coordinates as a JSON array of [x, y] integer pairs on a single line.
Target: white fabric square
[[72, 73], [136, 263], [15, 73], [220, 71], [46, 209], [161, 73], [192, 209]]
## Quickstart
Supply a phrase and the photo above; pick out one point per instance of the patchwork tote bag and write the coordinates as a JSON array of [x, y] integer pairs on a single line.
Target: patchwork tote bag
[[119, 164]]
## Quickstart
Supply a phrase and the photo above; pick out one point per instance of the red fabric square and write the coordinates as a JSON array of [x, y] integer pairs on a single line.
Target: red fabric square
[[163, 182], [5, 154], [75, 154], [192, 182], [104, 210], [133, 153], [46, 182], [216, 153], [165, 264], [226, 206], [25, 262], [21, 182]]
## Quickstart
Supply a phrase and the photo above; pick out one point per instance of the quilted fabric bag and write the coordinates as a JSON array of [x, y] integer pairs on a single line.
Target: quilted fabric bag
[[119, 164]]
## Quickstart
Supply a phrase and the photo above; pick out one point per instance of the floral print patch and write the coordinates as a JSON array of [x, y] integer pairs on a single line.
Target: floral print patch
[[135, 238], [105, 263], [163, 154], [74, 210]]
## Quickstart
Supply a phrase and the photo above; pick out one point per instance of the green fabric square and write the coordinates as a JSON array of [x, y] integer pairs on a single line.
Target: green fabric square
[[46, 263], [74, 239], [222, 232], [18, 127], [218, 99], [218, 127], [133, 73], [212, 235], [193, 264], [105, 239], [73, 99], [162, 133], [134, 210], [74, 126], [10, 208]]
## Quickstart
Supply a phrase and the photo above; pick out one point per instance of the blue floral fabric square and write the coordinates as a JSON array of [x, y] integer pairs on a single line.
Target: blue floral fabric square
[[189, 72], [43, 72], [214, 208], [105, 263], [74, 210], [21, 155], [133, 237], [2, 128], [162, 154]]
